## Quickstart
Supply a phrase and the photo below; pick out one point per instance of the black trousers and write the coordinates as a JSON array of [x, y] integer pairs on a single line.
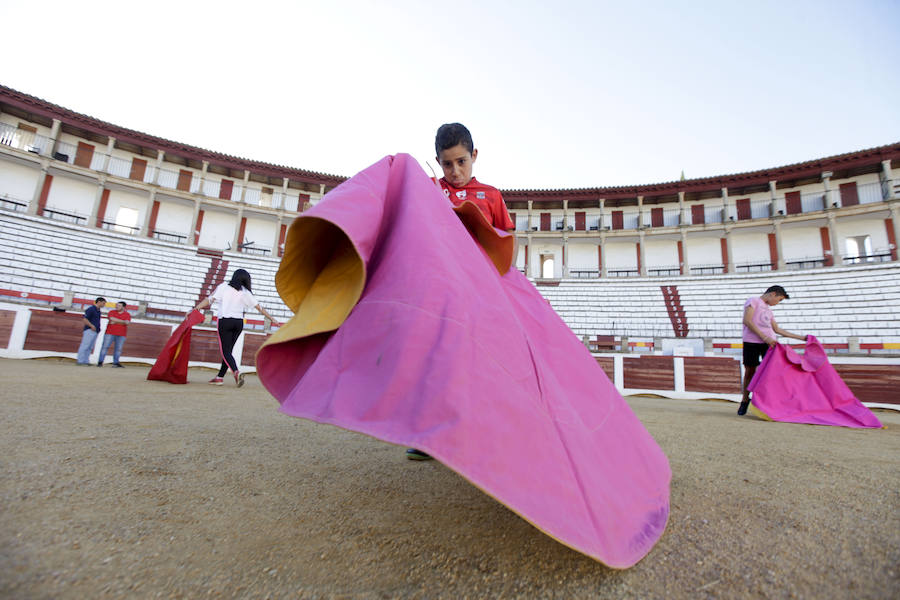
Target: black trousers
[[229, 331]]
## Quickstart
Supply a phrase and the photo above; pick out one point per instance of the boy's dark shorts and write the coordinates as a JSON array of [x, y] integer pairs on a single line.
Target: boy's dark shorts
[[753, 353]]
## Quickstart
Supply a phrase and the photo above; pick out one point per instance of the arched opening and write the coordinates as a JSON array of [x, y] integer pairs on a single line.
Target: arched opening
[[547, 266]]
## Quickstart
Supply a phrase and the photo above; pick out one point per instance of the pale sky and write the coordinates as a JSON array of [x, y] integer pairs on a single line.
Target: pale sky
[[561, 94]]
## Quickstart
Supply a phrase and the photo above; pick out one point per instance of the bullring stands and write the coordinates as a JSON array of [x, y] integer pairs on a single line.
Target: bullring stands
[[48, 257], [833, 304], [39, 256]]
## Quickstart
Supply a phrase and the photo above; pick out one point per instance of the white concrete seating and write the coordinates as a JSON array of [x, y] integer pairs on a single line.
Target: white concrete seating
[[262, 270], [49, 257], [831, 303]]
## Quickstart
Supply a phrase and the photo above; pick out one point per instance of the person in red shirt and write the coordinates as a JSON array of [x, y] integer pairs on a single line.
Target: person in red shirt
[[115, 334], [456, 154]]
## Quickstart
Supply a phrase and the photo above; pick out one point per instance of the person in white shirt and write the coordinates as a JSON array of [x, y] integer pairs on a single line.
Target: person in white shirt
[[232, 300]]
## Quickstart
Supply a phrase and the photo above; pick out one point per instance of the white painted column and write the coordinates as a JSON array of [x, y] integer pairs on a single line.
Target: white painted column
[[160, 155], [619, 370], [678, 372], [54, 137], [110, 144], [683, 216], [726, 212], [826, 185], [773, 206], [284, 195], [528, 226], [685, 265], [565, 256], [887, 185], [203, 177], [244, 186]]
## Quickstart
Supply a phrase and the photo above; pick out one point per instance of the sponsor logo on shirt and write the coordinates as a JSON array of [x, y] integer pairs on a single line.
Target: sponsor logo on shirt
[[479, 195], [446, 192], [461, 194]]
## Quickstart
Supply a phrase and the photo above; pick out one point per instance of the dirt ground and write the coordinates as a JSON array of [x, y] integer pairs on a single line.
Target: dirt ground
[[115, 487]]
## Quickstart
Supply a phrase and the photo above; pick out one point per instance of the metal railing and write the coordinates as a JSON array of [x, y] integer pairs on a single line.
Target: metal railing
[[707, 270], [623, 272], [113, 226], [14, 204], [876, 257], [584, 273], [168, 236], [64, 215], [754, 267], [664, 271], [23, 140], [869, 193], [804, 263], [812, 201]]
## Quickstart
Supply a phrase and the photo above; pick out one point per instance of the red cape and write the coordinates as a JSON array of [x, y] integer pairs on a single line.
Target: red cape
[[172, 363]]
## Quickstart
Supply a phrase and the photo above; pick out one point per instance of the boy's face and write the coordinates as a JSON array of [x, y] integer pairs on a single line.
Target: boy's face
[[772, 298], [456, 162]]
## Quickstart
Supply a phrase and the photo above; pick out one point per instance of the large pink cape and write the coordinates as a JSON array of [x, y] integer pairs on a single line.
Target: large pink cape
[[406, 330], [806, 389]]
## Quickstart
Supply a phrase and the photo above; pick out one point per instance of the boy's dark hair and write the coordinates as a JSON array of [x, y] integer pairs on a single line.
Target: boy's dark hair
[[241, 278], [451, 134], [100, 299], [122, 302], [779, 291]]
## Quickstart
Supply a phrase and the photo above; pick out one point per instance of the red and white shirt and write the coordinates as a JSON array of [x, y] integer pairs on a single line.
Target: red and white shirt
[[118, 328], [487, 198]]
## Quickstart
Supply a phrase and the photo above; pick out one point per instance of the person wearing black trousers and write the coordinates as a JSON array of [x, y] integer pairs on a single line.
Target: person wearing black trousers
[[232, 300]]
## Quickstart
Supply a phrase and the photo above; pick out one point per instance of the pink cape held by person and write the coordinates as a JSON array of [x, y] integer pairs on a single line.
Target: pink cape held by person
[[410, 327], [796, 388]]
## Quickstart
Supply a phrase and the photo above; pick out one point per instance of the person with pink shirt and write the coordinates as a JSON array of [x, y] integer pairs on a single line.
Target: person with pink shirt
[[759, 333]]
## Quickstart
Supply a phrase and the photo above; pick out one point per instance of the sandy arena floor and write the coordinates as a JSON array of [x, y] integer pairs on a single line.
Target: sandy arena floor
[[115, 487]]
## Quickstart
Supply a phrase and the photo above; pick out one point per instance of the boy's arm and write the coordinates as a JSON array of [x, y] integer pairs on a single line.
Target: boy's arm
[[748, 321], [784, 333]]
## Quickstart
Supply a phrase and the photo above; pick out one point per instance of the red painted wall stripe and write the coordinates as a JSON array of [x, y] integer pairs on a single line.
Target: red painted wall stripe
[[826, 246], [45, 193], [723, 243], [241, 230], [892, 240], [281, 236], [773, 252], [101, 210], [198, 228], [680, 257], [154, 213]]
